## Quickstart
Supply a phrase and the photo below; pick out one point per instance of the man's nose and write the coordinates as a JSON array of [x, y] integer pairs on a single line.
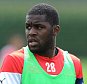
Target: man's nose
[[32, 31]]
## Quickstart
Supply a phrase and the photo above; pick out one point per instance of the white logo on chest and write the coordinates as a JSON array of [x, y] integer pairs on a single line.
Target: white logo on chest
[[50, 67]]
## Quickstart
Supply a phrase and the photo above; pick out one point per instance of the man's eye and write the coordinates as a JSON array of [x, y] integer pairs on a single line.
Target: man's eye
[[28, 27], [40, 28]]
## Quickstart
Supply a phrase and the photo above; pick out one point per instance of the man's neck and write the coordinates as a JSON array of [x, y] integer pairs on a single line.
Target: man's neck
[[50, 53]]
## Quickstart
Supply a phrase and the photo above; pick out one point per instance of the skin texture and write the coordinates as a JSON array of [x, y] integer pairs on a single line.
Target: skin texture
[[41, 35]]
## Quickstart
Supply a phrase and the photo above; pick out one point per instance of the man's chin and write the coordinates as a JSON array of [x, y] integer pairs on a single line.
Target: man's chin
[[34, 50]]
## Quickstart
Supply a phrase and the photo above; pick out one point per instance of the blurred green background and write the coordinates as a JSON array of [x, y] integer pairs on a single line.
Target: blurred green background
[[73, 23]]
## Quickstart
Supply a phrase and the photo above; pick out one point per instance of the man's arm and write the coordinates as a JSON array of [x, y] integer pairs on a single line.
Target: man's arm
[[78, 69], [10, 78], [11, 71], [79, 81], [79, 76]]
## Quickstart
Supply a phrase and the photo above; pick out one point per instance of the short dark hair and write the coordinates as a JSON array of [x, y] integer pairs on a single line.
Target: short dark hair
[[45, 9]]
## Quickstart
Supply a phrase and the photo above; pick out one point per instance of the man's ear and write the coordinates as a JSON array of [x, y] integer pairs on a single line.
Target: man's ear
[[56, 29]]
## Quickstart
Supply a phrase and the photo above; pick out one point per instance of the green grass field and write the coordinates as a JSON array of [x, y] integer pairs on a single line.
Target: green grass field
[[84, 64]]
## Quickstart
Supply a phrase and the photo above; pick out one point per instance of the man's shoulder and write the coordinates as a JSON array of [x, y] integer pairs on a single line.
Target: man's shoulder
[[73, 57], [13, 62], [77, 64], [18, 53]]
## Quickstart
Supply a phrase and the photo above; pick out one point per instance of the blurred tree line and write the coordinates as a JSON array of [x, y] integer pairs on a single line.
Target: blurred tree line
[[73, 22]]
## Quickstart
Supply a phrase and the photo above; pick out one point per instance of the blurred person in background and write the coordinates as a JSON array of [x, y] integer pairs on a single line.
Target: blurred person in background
[[41, 61], [15, 42]]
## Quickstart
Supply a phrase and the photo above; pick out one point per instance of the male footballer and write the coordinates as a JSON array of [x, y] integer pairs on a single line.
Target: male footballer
[[41, 61]]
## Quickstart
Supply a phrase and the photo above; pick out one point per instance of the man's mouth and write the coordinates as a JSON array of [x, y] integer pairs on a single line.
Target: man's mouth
[[32, 42]]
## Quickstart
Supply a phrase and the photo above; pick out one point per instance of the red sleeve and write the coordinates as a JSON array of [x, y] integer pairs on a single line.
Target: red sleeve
[[78, 66], [13, 63]]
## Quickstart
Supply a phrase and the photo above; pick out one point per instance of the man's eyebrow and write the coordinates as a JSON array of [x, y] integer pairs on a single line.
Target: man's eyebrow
[[36, 22]]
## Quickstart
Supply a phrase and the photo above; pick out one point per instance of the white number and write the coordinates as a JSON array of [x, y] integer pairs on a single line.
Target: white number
[[50, 67]]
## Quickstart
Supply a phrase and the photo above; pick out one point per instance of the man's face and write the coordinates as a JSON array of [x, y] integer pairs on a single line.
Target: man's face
[[38, 33]]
